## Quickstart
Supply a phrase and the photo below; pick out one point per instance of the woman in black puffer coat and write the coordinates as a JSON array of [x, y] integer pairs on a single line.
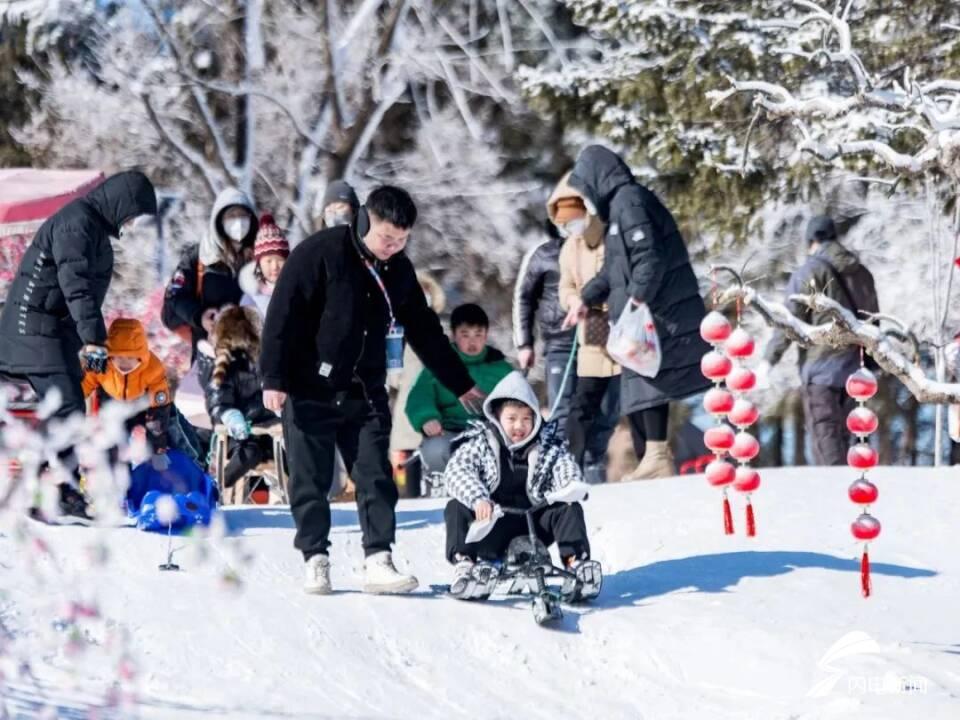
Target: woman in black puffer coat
[[645, 261]]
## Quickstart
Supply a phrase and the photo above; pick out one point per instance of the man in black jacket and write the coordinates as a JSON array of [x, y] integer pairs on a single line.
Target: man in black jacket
[[51, 328], [838, 274], [323, 361], [537, 296]]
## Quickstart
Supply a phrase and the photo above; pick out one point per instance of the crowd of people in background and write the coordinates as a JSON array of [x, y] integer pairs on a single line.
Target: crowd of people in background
[[301, 338]]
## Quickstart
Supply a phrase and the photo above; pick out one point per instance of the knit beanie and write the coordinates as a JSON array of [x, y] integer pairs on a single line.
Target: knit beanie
[[270, 239], [569, 208], [340, 191]]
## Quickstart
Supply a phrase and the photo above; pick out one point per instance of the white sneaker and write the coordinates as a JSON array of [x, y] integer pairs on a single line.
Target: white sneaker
[[317, 575], [381, 577]]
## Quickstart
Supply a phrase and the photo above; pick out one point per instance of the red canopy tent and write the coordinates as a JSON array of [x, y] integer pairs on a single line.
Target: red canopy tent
[[27, 198]]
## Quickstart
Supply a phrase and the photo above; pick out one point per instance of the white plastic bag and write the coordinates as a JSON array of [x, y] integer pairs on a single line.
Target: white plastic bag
[[633, 341]]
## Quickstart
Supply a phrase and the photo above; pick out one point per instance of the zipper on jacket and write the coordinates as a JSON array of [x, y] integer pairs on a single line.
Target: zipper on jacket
[[125, 379]]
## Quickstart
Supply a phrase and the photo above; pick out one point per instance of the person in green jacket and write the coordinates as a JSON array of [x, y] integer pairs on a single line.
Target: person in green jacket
[[435, 411]]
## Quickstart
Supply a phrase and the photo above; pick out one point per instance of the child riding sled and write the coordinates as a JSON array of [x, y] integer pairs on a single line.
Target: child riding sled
[[512, 460]]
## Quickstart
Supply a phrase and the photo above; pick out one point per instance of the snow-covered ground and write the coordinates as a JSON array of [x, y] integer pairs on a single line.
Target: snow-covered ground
[[690, 624]]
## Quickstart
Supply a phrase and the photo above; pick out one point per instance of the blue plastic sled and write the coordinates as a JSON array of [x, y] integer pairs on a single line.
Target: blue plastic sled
[[193, 490]]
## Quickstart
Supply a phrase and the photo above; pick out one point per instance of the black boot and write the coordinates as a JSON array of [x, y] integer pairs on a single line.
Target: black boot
[[73, 506]]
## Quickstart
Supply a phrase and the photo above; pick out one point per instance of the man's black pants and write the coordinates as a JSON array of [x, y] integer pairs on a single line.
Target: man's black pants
[[561, 523], [360, 428]]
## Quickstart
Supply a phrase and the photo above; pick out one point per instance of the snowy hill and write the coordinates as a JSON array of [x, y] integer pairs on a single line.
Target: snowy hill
[[690, 624]]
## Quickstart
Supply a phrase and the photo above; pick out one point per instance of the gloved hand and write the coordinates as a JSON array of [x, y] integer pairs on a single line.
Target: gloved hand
[[93, 358], [236, 424], [160, 462]]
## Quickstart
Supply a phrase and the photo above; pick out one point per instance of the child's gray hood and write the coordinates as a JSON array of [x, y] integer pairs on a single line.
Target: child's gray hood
[[514, 387]]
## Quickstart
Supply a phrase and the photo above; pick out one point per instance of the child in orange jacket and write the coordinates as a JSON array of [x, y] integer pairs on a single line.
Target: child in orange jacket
[[134, 373]]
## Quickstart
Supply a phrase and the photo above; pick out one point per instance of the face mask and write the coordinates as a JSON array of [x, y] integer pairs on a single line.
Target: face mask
[[574, 228], [237, 228], [141, 221], [333, 219]]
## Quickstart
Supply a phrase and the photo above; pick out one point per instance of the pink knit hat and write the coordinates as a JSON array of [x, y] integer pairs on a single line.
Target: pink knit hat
[[270, 239]]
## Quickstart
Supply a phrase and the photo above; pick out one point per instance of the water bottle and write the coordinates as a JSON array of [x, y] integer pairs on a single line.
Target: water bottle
[[395, 348]]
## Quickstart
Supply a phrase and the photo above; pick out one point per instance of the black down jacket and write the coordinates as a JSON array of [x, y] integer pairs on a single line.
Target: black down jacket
[[53, 307], [240, 389], [645, 259], [537, 295], [327, 321]]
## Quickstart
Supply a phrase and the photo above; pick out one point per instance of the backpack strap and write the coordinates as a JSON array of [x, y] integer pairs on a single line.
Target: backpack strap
[[201, 269]]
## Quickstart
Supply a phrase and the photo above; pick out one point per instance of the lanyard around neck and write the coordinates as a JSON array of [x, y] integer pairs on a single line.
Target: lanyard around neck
[[383, 289]]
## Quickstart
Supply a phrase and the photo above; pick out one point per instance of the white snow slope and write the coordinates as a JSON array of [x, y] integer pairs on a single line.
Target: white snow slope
[[690, 624]]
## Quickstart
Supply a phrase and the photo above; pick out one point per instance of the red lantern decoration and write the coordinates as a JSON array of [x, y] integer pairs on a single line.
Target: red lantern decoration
[[863, 492], [745, 447], [719, 439], [747, 479], [862, 385], [715, 328], [720, 472], [740, 344], [718, 402], [715, 366], [862, 421], [866, 527], [862, 457], [743, 414], [741, 380]]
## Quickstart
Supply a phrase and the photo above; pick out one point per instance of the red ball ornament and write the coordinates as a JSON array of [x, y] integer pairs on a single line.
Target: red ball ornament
[[862, 421], [862, 385], [720, 472], [741, 380], [863, 492], [862, 457], [743, 414], [719, 439], [865, 527], [745, 447], [740, 344], [715, 366], [715, 328], [718, 402], [747, 479]]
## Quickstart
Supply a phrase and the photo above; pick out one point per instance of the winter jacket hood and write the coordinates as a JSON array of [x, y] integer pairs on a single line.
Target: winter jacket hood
[[593, 235], [148, 380], [215, 246], [123, 197], [127, 338], [597, 175], [514, 387]]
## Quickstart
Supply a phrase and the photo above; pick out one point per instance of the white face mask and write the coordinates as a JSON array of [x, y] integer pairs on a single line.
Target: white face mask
[[574, 228], [333, 218], [237, 228]]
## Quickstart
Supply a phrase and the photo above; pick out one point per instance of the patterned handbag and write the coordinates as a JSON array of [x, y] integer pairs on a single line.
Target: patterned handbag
[[596, 327]]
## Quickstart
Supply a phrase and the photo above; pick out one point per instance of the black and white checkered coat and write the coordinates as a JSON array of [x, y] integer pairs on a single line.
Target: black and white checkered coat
[[473, 472]]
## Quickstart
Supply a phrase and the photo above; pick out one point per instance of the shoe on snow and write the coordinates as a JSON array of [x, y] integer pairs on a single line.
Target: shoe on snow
[[317, 575], [590, 577], [381, 577], [73, 507], [473, 581]]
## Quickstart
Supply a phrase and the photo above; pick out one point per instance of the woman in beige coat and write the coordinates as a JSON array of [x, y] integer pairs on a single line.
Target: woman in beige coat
[[598, 376]]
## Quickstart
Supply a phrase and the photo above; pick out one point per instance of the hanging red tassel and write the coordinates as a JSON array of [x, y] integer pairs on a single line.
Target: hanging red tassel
[[751, 521], [865, 572], [727, 517]]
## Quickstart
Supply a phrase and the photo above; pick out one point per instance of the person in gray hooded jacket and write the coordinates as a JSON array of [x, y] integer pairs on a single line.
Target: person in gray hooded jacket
[[513, 460], [206, 278], [835, 271]]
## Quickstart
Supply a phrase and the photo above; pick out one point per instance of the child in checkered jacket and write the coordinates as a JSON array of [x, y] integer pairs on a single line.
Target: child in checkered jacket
[[511, 460]]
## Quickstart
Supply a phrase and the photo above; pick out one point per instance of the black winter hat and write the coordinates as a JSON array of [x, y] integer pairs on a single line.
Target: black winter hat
[[340, 191], [821, 229]]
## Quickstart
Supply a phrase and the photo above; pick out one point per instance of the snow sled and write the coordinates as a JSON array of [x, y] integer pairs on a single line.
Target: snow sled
[[193, 491], [527, 568]]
